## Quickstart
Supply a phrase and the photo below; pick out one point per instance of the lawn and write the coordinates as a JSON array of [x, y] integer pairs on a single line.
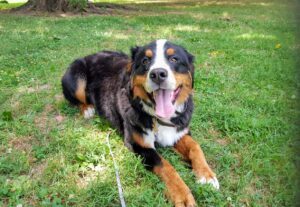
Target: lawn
[[245, 99]]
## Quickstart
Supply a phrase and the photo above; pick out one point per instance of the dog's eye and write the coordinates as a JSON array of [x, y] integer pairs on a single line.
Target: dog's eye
[[173, 59], [146, 61]]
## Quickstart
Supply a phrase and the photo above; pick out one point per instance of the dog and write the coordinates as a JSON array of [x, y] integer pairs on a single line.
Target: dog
[[148, 98]]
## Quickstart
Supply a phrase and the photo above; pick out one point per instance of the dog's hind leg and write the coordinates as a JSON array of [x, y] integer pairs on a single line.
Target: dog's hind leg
[[74, 84], [86, 109]]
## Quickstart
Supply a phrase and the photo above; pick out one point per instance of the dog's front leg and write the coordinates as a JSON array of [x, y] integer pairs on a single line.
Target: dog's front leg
[[191, 151], [177, 190]]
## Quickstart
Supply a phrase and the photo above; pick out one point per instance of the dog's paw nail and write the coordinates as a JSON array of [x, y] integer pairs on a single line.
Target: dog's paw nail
[[213, 181]]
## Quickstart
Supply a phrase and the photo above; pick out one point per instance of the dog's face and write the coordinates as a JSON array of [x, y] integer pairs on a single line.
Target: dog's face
[[162, 76]]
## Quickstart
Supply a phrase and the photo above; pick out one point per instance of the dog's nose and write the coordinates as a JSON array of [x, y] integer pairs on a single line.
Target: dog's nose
[[158, 75]]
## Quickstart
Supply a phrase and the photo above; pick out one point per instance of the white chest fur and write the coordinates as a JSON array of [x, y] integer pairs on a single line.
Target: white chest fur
[[165, 136]]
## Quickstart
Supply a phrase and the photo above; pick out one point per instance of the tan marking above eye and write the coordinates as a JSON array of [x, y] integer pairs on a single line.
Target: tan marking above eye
[[149, 53], [170, 51]]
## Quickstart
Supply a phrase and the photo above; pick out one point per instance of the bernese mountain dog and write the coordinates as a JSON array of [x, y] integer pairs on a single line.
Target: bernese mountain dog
[[148, 98]]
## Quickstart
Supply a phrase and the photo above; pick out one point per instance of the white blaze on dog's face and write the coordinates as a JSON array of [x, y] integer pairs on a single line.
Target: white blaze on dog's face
[[160, 65], [162, 76]]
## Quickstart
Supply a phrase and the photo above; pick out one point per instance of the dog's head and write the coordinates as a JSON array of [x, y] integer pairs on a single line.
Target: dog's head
[[162, 76]]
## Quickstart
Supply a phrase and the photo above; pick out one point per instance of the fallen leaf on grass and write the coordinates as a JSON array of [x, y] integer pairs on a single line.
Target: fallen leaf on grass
[[59, 118], [277, 46]]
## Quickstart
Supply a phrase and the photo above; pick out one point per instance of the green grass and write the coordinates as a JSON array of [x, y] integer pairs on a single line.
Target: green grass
[[5, 5], [245, 97]]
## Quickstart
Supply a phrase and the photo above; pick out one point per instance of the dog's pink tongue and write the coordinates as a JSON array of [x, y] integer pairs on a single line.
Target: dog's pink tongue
[[164, 107]]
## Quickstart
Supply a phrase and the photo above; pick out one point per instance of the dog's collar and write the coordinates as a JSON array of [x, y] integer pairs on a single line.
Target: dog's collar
[[169, 124], [157, 121]]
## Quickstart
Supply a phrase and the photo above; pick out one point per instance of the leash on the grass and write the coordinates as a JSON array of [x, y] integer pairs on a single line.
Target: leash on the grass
[[121, 196]]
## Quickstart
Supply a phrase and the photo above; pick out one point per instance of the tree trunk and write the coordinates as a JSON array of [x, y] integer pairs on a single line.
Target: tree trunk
[[44, 6], [59, 6], [73, 6]]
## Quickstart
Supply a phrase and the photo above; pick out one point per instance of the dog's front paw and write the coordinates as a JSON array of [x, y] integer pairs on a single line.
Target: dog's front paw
[[187, 201], [213, 181], [208, 177]]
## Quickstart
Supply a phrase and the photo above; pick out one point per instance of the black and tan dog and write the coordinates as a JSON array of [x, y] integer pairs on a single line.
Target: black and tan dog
[[148, 98]]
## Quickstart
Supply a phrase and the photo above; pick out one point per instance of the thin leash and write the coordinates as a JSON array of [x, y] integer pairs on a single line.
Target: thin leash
[[121, 195]]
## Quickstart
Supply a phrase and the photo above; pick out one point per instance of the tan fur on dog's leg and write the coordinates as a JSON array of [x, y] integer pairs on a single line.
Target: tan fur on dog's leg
[[80, 91], [190, 150], [177, 190]]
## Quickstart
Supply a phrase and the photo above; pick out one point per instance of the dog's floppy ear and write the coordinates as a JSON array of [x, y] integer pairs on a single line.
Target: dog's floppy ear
[[191, 57], [134, 52]]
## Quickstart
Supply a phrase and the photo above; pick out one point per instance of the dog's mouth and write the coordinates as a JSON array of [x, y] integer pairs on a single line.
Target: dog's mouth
[[165, 101]]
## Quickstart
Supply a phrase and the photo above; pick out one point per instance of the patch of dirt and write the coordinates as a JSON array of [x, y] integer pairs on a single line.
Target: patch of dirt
[[233, 177], [89, 175], [34, 89], [218, 137], [222, 142], [197, 16], [37, 170], [2, 149], [58, 97], [23, 144], [32, 200], [251, 189], [214, 133], [15, 105], [84, 181], [238, 162], [48, 118], [42, 120], [5, 201], [233, 3]]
